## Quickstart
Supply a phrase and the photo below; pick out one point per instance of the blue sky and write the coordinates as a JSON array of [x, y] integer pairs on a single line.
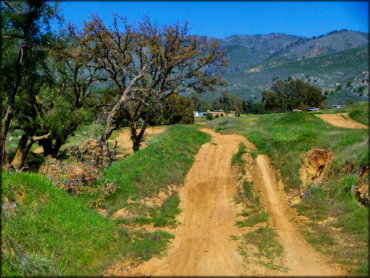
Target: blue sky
[[222, 19]]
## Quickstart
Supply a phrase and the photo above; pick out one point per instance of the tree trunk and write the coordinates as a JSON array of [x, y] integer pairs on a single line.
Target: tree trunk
[[4, 131], [124, 97], [47, 145], [137, 138], [23, 149], [58, 144], [9, 111]]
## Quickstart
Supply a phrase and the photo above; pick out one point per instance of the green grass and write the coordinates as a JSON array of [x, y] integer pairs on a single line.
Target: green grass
[[285, 138], [50, 233], [145, 245], [248, 192], [162, 216], [315, 203], [165, 215], [164, 162], [254, 219], [238, 157], [360, 116], [268, 247]]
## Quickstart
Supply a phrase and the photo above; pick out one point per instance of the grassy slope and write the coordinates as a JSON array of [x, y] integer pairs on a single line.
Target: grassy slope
[[362, 114], [164, 162], [51, 233], [286, 138]]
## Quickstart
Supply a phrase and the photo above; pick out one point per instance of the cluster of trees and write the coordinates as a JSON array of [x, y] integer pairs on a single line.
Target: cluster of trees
[[228, 103], [49, 80], [286, 95]]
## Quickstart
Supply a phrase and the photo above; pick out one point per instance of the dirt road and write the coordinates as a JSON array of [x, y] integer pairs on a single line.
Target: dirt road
[[202, 244], [341, 120]]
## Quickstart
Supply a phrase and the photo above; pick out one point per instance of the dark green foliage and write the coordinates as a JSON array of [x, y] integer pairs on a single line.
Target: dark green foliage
[[178, 110], [293, 94], [209, 117], [253, 107]]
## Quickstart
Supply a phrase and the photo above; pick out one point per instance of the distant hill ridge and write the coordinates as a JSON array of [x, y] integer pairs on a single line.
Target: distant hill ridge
[[337, 57]]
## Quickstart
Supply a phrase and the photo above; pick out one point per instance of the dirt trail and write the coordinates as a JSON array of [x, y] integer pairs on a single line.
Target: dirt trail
[[301, 258], [341, 120], [124, 139], [202, 244]]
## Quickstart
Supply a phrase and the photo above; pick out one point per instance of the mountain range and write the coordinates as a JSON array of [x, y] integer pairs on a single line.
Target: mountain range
[[336, 62]]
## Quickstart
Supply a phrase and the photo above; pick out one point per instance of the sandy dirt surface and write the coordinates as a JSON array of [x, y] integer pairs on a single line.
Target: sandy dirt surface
[[300, 257], [341, 120], [203, 244], [124, 139]]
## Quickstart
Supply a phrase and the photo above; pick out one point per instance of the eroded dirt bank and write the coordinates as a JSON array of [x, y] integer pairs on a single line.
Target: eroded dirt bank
[[203, 243], [341, 120]]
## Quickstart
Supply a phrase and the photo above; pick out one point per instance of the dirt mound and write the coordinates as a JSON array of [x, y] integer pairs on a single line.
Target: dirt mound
[[316, 163], [341, 120]]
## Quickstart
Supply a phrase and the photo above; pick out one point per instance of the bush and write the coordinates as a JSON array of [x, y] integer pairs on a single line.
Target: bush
[[209, 117]]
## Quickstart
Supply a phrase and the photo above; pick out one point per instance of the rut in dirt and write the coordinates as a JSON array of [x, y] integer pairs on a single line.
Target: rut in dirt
[[203, 243]]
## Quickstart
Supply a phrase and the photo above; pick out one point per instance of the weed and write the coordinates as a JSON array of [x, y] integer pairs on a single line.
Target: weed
[[268, 247], [166, 214], [254, 219], [234, 237], [247, 188], [146, 245], [238, 157]]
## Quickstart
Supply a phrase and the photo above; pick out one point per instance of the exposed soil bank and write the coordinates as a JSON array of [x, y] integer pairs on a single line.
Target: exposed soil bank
[[341, 120]]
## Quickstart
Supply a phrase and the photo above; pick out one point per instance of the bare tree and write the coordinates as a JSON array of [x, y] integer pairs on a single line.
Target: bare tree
[[148, 64]]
